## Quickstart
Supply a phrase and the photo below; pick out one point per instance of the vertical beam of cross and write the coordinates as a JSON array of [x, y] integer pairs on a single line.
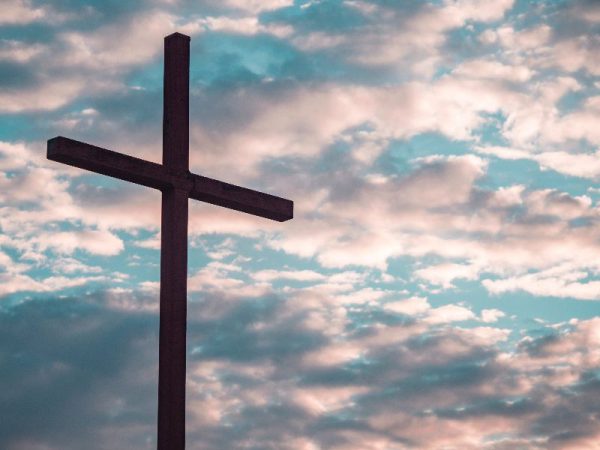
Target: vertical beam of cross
[[173, 262]]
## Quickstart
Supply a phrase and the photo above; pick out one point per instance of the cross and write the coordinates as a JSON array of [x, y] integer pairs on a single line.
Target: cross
[[177, 184]]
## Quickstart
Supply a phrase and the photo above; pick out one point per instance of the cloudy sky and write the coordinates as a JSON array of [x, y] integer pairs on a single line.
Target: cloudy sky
[[437, 289]]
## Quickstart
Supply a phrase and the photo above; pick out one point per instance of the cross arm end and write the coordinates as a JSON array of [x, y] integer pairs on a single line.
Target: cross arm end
[[241, 199], [107, 162]]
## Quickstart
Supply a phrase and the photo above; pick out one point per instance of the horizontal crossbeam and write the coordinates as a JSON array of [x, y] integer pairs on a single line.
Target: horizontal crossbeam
[[146, 173]]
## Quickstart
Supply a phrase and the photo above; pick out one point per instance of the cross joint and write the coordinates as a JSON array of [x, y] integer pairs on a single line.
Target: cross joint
[[178, 179]]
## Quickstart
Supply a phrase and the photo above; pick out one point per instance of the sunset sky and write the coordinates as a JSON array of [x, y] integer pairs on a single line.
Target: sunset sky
[[438, 287]]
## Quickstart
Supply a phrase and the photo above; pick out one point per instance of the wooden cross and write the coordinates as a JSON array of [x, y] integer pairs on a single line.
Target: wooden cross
[[177, 184]]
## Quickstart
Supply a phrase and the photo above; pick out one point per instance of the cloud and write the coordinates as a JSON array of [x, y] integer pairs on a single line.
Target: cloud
[[440, 202], [447, 370], [21, 12], [49, 94], [298, 275], [587, 10], [559, 281], [12, 50], [390, 382], [249, 25], [83, 364], [75, 62], [575, 54], [408, 36], [257, 6], [410, 306], [532, 38], [482, 69], [12, 283], [215, 276], [575, 164], [104, 49], [71, 265], [491, 315], [444, 274], [449, 313], [99, 242]]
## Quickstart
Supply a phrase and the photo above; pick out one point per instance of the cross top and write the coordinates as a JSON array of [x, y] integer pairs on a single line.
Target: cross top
[[177, 184]]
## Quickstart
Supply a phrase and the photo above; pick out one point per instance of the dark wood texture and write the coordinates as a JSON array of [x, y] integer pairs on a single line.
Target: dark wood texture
[[177, 185], [173, 256], [107, 162], [176, 102], [241, 199], [128, 168], [173, 312]]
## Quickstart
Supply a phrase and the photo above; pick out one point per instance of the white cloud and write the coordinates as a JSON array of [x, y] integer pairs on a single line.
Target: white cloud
[[296, 275], [560, 204], [99, 242], [250, 25], [444, 274], [332, 355], [11, 283], [257, 6], [486, 336], [449, 313], [477, 10], [411, 306], [491, 315], [527, 39], [394, 35], [564, 280], [218, 277], [152, 242], [20, 12], [68, 265], [14, 155], [584, 165], [51, 94], [13, 50], [492, 69], [430, 209], [105, 49], [85, 61], [586, 10], [575, 54]]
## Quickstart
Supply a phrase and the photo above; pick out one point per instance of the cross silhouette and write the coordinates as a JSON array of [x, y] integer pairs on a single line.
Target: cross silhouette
[[177, 184]]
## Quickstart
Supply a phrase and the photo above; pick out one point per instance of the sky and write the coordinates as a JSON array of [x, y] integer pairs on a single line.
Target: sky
[[438, 287]]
